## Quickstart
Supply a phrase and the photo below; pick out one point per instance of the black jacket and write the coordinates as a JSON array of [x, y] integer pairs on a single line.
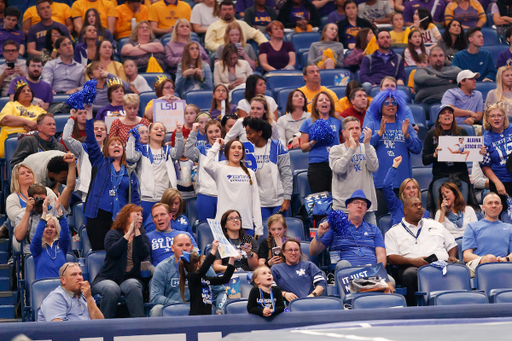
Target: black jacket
[[363, 23]]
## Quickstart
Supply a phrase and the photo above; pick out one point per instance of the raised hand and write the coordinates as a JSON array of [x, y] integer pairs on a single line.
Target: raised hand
[[215, 247], [382, 129], [179, 127], [69, 158], [220, 141], [367, 135], [322, 229], [405, 128], [397, 161], [196, 126]]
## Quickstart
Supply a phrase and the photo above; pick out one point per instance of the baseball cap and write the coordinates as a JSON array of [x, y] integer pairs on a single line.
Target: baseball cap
[[466, 74]]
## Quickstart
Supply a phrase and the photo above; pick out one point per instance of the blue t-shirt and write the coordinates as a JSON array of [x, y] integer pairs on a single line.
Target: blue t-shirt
[[161, 244], [178, 224], [299, 13], [359, 247], [499, 146], [320, 151], [487, 237], [504, 59], [301, 278]]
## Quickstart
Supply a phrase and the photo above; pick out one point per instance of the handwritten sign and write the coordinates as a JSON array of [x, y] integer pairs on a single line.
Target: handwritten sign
[[167, 113], [460, 148], [226, 249]]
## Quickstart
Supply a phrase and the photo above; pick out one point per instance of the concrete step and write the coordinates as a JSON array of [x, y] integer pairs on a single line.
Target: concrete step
[[5, 283], [7, 312], [8, 297]]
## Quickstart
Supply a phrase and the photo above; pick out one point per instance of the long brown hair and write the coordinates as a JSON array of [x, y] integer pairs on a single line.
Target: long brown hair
[[186, 59], [267, 116], [227, 51], [76, 131], [234, 26], [362, 38], [438, 130], [110, 140], [314, 111], [224, 220], [242, 161], [226, 101], [97, 57], [123, 216], [458, 204], [291, 240], [412, 48], [190, 267]]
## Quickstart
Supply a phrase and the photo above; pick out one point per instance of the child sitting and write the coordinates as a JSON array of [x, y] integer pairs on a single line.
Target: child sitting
[[264, 299], [137, 83]]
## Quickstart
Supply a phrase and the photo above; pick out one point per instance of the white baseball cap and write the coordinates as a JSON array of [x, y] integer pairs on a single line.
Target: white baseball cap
[[466, 74]]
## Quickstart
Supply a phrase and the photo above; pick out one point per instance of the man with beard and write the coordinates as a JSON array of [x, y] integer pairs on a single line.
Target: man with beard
[[431, 83], [42, 90], [216, 32], [26, 222]]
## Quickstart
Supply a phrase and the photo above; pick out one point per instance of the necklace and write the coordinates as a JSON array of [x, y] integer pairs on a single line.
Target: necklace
[[56, 251], [263, 161]]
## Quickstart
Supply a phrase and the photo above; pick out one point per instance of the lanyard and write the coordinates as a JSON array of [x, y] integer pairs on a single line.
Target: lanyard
[[503, 148], [271, 299], [412, 234]]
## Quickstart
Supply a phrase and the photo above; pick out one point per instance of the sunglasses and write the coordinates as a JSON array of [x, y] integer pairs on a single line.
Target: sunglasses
[[388, 102]]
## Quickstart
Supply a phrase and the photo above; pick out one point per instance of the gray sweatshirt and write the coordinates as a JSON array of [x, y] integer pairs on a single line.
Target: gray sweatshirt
[[431, 84], [317, 48], [352, 170]]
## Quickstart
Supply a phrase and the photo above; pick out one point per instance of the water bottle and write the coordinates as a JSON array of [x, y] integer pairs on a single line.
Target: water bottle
[[134, 22]]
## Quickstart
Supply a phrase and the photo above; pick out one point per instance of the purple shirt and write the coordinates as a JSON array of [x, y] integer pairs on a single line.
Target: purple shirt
[[15, 35], [37, 33], [334, 17], [327, 9], [505, 58], [42, 90], [277, 59], [110, 110], [261, 18], [242, 5], [301, 11], [350, 32], [411, 6]]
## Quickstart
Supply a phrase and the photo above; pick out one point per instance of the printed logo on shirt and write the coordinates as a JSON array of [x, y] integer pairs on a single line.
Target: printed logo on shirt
[[161, 244], [238, 178], [175, 282], [265, 302], [25, 113], [206, 292], [300, 272], [356, 161]]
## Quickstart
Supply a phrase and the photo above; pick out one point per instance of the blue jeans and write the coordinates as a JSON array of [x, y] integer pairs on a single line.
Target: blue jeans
[[206, 207], [146, 208], [266, 212], [111, 292]]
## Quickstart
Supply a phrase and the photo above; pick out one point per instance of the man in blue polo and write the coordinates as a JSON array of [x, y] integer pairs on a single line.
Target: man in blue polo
[[361, 243], [161, 239], [465, 100]]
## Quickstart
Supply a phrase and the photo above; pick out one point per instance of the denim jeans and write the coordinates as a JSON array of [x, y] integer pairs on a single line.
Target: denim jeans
[[111, 292]]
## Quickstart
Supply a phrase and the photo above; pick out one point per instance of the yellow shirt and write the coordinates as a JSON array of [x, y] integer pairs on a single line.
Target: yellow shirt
[[311, 94], [16, 109], [410, 83], [112, 69], [124, 19], [166, 15], [149, 106], [400, 38], [345, 104], [105, 7], [60, 12]]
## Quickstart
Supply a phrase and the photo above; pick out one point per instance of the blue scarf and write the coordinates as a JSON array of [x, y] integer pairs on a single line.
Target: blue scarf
[[116, 178], [456, 219]]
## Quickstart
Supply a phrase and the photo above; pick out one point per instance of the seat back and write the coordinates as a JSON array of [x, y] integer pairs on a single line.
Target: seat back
[[375, 91], [342, 273], [460, 256], [495, 50], [30, 272], [245, 285], [145, 98], [431, 279], [458, 298], [468, 127], [434, 108], [408, 70], [204, 235], [329, 77], [301, 185], [282, 98], [9, 149], [151, 77], [378, 301], [315, 304], [304, 40], [237, 95], [384, 223], [494, 276], [237, 307], [95, 261], [40, 290], [201, 98], [503, 297], [179, 309], [60, 98], [423, 176], [304, 247], [490, 36], [284, 80], [78, 214], [484, 88], [338, 90], [60, 122], [191, 211], [86, 243], [299, 161], [295, 228]]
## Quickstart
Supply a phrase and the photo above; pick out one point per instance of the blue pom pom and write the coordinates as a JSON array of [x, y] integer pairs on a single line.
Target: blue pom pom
[[89, 91], [76, 101], [338, 222], [321, 132], [135, 132]]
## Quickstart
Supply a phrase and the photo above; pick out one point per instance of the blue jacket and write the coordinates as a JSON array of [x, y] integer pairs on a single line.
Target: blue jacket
[[100, 174], [186, 84], [44, 264]]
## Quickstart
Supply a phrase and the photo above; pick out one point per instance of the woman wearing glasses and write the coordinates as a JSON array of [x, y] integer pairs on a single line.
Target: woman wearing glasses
[[231, 223], [296, 277], [143, 45], [393, 135]]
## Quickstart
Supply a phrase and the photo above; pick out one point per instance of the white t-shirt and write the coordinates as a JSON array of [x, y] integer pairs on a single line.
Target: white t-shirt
[[469, 217], [141, 84], [266, 188], [160, 176], [202, 15], [433, 239], [246, 106]]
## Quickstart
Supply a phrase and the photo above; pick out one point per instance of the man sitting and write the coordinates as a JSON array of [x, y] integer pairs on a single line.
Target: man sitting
[[67, 302], [9, 30], [164, 14], [12, 68], [313, 86], [466, 100], [358, 103], [61, 13], [488, 240], [409, 243]]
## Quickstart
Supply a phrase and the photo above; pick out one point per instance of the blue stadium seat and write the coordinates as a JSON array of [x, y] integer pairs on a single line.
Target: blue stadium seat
[[95, 261], [191, 212], [295, 228], [432, 282], [338, 90], [301, 59], [460, 255], [304, 246], [503, 297], [179, 309], [237, 307], [341, 273], [398, 50], [494, 278], [165, 40], [86, 243], [245, 286], [145, 98], [315, 304], [490, 36], [60, 98], [490, 21], [418, 112], [204, 235], [417, 160], [151, 77], [329, 76], [384, 223], [276, 81], [40, 289], [378, 301], [121, 43], [495, 51], [323, 21], [468, 127], [485, 87], [423, 176], [237, 95], [458, 298], [424, 195], [375, 90], [299, 161], [201, 98], [60, 122], [304, 40], [408, 70], [433, 114], [9, 148], [281, 99], [301, 190], [78, 213]]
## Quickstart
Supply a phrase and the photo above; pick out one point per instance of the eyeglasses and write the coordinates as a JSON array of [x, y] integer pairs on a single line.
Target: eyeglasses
[[292, 250], [67, 266], [57, 34], [234, 219], [10, 51], [496, 116], [388, 102], [359, 203]]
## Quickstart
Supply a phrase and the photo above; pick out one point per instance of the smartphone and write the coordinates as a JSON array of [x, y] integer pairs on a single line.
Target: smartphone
[[238, 45], [11, 65], [276, 251], [431, 259]]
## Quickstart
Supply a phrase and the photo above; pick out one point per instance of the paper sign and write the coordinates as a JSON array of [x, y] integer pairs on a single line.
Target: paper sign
[[167, 113], [371, 271], [226, 249], [460, 149], [109, 120]]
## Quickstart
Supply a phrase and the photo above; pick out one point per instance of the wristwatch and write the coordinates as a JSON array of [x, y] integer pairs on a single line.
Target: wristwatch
[[314, 294]]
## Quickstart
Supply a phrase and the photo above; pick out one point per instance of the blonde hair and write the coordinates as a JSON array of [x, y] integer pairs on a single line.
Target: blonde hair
[[322, 37], [174, 35], [256, 273], [135, 32], [495, 106], [168, 197], [268, 115], [402, 188], [234, 26], [132, 99], [57, 228], [499, 83], [15, 177]]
